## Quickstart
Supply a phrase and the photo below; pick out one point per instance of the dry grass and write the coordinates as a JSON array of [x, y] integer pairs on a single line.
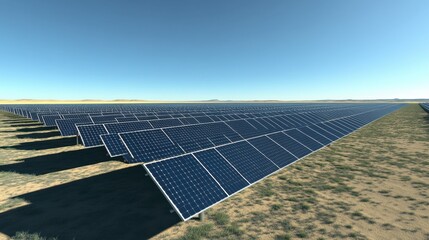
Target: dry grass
[[371, 185]]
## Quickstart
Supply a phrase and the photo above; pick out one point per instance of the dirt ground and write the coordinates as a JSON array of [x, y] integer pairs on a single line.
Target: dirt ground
[[373, 184]]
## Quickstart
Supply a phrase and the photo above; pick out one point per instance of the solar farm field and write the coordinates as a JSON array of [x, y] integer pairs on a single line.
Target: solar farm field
[[148, 171]]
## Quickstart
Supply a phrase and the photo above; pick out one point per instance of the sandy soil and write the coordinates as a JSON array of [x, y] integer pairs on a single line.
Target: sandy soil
[[373, 184]]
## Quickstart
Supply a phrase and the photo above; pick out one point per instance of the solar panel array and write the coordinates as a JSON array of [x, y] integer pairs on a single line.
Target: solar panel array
[[425, 106], [201, 154]]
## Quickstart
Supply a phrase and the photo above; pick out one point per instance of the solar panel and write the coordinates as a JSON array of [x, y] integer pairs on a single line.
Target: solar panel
[[292, 146], [248, 161], [143, 118], [338, 131], [114, 145], [150, 145], [324, 131], [192, 190], [188, 120], [273, 151], [304, 139], [425, 106], [165, 123], [316, 135], [127, 126], [67, 127], [49, 120], [90, 134], [126, 119], [203, 119], [226, 175], [245, 129], [197, 137], [106, 119], [42, 119]]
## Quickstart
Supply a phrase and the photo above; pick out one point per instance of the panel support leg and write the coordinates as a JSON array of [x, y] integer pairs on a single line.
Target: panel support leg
[[202, 216]]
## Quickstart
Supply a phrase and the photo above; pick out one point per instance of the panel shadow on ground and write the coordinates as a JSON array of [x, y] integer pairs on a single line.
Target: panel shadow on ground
[[43, 144], [123, 204], [57, 162]]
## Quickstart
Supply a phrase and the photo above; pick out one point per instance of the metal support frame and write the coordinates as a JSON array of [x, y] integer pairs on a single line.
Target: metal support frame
[[202, 216]]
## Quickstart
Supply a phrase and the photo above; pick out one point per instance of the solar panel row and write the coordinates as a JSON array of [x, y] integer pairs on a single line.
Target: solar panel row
[[193, 182], [425, 106], [274, 123], [185, 139]]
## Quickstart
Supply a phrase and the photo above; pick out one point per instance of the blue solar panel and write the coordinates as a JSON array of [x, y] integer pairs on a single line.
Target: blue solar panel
[[270, 124], [197, 137], [216, 118], [203, 119], [290, 144], [150, 145], [337, 128], [76, 115], [114, 145], [273, 151], [187, 184], [143, 118], [188, 120], [281, 122], [90, 134], [127, 126], [248, 161], [245, 129], [347, 124], [227, 176], [425, 106], [304, 139], [49, 120], [105, 119], [67, 127], [42, 119], [325, 131], [165, 123], [126, 119], [164, 116], [316, 135]]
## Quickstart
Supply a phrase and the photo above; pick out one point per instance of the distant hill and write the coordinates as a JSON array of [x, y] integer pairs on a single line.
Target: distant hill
[[93, 101]]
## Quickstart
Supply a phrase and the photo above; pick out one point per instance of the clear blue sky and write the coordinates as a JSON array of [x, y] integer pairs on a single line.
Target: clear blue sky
[[196, 50]]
